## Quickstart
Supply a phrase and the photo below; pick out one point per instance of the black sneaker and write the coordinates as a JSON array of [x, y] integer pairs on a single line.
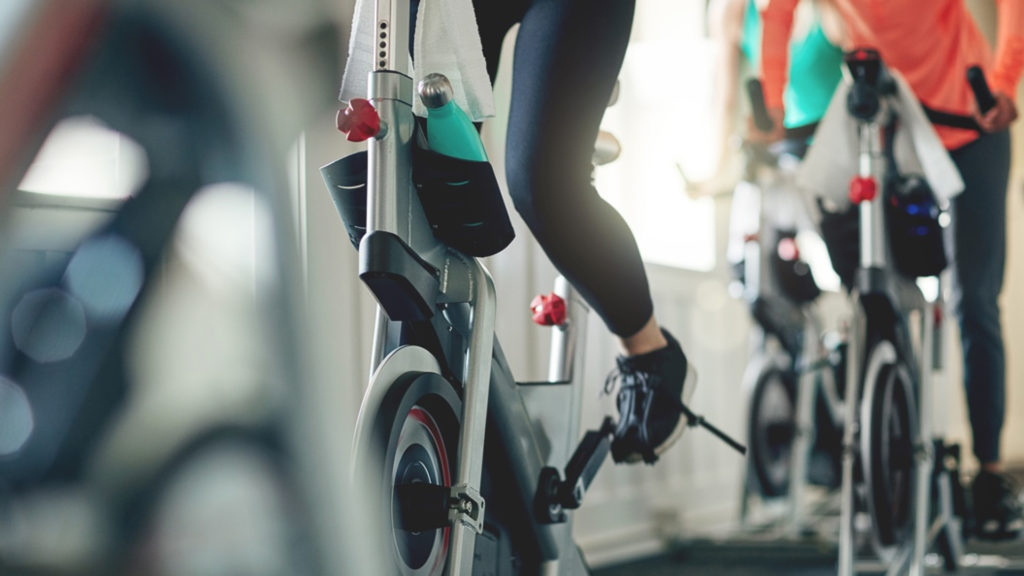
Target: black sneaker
[[653, 391], [998, 506]]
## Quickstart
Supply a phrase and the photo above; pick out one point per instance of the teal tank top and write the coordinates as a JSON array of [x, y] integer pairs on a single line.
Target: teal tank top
[[815, 69]]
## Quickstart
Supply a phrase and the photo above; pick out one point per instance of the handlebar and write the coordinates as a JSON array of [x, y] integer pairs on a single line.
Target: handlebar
[[982, 94], [755, 91], [764, 122]]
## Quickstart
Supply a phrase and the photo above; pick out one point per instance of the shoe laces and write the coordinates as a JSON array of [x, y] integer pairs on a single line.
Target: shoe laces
[[629, 379], [643, 380]]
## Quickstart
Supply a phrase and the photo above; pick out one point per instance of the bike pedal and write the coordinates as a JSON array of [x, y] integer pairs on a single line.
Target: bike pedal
[[695, 420]]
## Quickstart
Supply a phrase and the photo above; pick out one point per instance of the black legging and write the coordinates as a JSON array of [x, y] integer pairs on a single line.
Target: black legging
[[567, 57], [978, 241]]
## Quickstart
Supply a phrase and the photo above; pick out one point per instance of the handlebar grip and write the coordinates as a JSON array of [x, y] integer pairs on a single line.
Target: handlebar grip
[[982, 95], [762, 120]]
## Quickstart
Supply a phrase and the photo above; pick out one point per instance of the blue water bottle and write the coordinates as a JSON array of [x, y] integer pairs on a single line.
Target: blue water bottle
[[449, 131]]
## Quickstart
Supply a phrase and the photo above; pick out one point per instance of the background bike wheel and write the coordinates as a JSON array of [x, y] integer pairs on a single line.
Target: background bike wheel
[[772, 426], [417, 429], [890, 428], [222, 506]]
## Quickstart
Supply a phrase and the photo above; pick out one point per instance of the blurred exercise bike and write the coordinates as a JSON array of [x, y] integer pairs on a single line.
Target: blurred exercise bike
[[898, 475], [795, 374], [227, 482]]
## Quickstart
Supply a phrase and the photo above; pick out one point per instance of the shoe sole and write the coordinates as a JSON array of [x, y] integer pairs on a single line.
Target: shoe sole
[[689, 386]]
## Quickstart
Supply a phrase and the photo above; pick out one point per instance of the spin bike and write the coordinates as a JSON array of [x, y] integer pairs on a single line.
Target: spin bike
[[473, 472], [794, 375], [443, 423], [896, 471]]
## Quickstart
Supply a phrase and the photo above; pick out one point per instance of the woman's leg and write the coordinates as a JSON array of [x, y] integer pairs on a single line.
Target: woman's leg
[[979, 246], [979, 242], [567, 59]]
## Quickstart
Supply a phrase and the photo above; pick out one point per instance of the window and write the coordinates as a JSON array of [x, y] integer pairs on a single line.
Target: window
[[82, 158], [663, 120]]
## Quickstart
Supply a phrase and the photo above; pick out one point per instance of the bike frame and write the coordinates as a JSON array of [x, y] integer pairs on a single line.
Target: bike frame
[[758, 251], [392, 207], [466, 300], [875, 280]]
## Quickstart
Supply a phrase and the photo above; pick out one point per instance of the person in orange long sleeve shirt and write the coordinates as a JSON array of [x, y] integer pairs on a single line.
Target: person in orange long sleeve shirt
[[931, 43]]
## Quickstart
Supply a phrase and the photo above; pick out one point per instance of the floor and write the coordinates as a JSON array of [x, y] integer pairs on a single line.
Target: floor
[[760, 555], [735, 558]]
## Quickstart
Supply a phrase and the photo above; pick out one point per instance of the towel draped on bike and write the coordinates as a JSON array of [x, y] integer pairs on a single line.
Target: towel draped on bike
[[447, 42], [833, 159]]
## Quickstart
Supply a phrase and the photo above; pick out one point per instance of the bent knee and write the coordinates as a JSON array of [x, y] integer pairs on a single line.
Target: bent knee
[[544, 195]]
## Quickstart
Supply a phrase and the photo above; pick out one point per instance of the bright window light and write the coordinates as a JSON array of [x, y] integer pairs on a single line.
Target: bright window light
[[82, 158], [663, 121]]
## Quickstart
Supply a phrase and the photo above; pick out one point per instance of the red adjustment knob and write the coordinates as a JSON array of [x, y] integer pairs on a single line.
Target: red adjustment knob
[[548, 310], [862, 189], [359, 120]]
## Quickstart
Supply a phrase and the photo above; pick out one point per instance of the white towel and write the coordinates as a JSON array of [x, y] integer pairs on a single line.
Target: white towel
[[361, 51], [447, 41], [833, 158]]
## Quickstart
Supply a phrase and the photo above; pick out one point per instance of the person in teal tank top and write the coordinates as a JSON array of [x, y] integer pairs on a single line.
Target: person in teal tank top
[[814, 65], [814, 73], [815, 69]]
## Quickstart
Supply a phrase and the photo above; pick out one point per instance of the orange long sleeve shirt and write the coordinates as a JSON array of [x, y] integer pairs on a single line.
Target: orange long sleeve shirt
[[930, 42]]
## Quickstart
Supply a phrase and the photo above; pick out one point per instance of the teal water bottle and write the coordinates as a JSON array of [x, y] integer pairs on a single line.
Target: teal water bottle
[[449, 131]]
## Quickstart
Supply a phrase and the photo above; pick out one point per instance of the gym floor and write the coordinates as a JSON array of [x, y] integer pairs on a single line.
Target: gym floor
[[794, 559], [762, 556]]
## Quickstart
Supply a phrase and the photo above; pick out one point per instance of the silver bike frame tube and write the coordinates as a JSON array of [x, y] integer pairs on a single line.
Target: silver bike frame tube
[[392, 204], [388, 156], [380, 338], [805, 430], [853, 360], [872, 255], [474, 411], [390, 163], [576, 348], [566, 340], [872, 215], [925, 452], [868, 146], [393, 22], [756, 254], [566, 365]]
